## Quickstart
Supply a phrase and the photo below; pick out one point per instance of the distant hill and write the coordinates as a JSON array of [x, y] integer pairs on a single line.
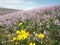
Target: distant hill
[[4, 11]]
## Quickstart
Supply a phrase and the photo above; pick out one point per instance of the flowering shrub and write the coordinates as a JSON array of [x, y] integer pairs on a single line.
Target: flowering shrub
[[31, 30]]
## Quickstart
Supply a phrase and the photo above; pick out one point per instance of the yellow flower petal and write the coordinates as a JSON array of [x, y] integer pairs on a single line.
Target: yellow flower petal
[[17, 32], [14, 39]]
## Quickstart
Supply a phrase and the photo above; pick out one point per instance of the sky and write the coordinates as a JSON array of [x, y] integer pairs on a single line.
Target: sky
[[27, 4]]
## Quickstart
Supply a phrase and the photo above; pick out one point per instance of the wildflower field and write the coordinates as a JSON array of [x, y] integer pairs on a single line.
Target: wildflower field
[[32, 27]]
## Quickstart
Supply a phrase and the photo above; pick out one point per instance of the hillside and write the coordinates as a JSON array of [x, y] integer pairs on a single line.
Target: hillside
[[34, 14], [41, 26], [7, 10]]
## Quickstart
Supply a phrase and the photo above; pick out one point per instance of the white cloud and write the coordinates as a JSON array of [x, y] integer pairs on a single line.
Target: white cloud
[[17, 4], [11, 1]]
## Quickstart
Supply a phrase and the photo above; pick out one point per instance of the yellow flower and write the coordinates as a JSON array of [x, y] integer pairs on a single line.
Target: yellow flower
[[14, 39], [19, 37], [25, 35], [41, 35], [22, 34], [22, 31], [17, 32], [32, 43], [20, 23]]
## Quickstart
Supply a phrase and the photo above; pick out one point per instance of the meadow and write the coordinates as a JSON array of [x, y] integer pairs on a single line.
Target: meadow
[[39, 26]]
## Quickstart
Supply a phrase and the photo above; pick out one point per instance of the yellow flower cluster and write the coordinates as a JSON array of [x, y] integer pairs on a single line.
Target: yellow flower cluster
[[41, 35], [32, 43], [21, 35]]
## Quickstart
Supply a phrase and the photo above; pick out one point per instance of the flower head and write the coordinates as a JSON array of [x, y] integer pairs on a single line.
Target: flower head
[[22, 34], [41, 35]]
